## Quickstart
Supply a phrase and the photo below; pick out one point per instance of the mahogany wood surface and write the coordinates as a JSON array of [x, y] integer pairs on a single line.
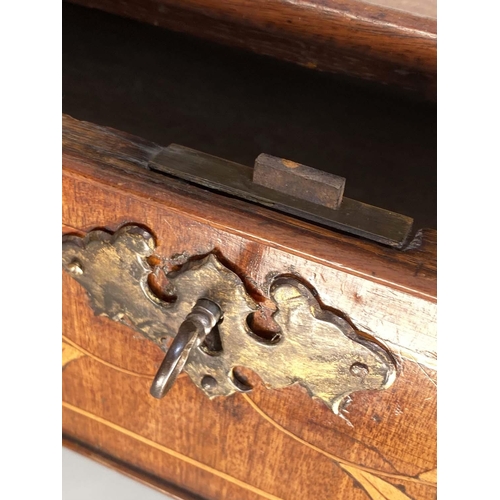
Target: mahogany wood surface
[[374, 42], [267, 443]]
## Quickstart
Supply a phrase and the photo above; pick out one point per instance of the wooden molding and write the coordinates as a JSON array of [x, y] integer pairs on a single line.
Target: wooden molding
[[372, 42]]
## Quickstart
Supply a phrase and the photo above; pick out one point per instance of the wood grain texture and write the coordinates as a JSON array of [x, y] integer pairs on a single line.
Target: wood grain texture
[[267, 444], [118, 72], [125, 468], [424, 8], [372, 42]]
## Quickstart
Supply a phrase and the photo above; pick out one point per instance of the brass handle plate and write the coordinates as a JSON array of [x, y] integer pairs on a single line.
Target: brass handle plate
[[317, 349]]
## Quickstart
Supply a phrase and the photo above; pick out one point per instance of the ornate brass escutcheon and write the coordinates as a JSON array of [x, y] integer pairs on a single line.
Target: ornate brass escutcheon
[[316, 348]]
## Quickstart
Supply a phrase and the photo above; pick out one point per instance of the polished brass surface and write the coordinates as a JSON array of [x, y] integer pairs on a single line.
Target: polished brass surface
[[316, 348]]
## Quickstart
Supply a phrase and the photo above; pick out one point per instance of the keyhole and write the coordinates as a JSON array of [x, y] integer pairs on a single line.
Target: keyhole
[[212, 345]]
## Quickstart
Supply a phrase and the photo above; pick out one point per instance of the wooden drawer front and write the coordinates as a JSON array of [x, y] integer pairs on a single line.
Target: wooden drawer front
[[266, 443]]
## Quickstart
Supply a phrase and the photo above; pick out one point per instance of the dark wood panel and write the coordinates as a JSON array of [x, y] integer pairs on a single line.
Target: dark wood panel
[[172, 88], [371, 42]]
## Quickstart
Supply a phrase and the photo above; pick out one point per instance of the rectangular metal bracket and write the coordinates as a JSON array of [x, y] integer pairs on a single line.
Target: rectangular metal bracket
[[231, 178]]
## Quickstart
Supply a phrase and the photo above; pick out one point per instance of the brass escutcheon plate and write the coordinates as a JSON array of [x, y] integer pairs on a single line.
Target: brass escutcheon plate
[[317, 349]]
